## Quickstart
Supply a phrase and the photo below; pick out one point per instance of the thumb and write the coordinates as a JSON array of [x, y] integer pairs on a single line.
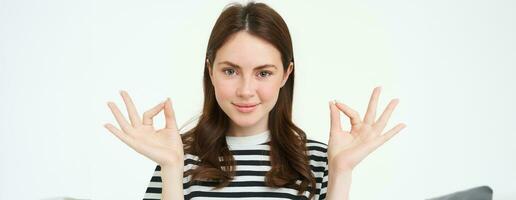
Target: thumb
[[334, 118], [170, 117]]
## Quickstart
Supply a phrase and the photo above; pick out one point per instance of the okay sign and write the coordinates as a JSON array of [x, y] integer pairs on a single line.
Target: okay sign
[[347, 148], [164, 146]]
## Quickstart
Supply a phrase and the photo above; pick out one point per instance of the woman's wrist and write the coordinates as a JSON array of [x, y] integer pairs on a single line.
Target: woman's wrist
[[338, 176], [339, 183], [174, 169], [172, 179], [175, 165]]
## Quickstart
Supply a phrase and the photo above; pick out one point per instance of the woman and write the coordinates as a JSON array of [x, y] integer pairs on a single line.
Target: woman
[[245, 143]]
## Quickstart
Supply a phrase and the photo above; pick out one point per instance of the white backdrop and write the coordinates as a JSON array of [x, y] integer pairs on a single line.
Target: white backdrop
[[451, 63]]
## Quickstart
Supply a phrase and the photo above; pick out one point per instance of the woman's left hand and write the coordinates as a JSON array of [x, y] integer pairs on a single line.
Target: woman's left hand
[[347, 148]]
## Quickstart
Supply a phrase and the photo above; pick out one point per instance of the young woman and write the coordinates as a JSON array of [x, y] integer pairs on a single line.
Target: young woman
[[245, 143]]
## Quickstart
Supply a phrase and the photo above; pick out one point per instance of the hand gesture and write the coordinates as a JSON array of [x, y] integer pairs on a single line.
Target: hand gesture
[[347, 148], [163, 146]]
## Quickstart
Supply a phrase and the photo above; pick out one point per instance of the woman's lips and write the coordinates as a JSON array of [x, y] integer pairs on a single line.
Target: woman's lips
[[245, 108]]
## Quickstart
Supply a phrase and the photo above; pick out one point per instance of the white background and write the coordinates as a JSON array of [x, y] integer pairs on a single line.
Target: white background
[[451, 63]]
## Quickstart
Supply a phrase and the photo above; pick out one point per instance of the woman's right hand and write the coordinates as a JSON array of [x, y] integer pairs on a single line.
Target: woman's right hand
[[164, 146]]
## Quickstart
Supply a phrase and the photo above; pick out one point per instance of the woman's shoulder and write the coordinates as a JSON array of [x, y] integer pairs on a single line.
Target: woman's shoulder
[[318, 154], [316, 144], [317, 150]]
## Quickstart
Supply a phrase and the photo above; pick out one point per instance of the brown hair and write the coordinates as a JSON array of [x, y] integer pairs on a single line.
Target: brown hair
[[288, 152]]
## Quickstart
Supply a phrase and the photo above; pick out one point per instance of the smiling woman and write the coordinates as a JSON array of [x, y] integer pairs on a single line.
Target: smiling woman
[[245, 143], [249, 84], [240, 88]]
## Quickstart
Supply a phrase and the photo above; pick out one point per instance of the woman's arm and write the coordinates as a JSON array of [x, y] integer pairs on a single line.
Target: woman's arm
[[172, 179]]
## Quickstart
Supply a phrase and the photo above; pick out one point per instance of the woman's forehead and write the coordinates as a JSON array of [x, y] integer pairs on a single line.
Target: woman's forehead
[[248, 51]]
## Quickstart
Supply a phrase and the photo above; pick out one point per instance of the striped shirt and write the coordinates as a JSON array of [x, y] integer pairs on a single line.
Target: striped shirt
[[251, 154]]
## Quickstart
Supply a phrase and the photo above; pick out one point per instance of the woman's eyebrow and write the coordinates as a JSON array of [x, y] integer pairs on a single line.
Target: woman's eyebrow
[[237, 66]]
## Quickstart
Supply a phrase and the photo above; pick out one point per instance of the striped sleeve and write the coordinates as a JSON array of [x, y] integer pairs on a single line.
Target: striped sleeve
[[324, 184], [153, 191], [318, 152]]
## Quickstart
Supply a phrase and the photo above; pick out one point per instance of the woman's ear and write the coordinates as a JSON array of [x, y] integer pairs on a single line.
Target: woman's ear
[[208, 65], [287, 74]]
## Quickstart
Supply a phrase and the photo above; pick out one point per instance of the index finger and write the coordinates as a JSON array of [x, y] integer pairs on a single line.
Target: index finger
[[354, 117], [371, 108]]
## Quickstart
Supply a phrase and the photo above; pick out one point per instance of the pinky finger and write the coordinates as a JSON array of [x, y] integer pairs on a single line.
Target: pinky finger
[[118, 133], [391, 133]]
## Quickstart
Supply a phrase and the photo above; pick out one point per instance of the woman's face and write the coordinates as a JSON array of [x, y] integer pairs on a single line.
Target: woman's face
[[247, 75]]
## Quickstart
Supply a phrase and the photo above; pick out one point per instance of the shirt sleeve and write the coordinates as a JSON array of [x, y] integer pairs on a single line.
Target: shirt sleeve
[[153, 190], [324, 184], [319, 162]]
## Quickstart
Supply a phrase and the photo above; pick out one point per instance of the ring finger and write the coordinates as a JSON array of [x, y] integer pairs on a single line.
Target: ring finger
[[119, 117]]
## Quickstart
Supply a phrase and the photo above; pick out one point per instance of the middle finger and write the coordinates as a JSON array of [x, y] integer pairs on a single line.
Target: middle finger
[[371, 108], [131, 109]]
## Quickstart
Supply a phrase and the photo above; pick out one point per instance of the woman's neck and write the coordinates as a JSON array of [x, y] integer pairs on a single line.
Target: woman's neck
[[237, 131], [243, 133]]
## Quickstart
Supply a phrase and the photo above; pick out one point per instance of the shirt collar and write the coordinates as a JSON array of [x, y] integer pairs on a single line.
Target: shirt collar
[[255, 139]]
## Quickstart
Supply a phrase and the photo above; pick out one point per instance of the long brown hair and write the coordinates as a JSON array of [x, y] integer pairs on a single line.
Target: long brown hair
[[288, 152]]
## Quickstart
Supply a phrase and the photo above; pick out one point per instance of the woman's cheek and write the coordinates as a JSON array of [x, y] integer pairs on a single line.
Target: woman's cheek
[[269, 92], [222, 91], [225, 89]]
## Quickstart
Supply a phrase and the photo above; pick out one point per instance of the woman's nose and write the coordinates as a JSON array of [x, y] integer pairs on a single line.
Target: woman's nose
[[246, 88]]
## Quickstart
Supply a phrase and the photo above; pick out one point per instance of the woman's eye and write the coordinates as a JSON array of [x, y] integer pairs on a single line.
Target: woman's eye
[[265, 73], [229, 71]]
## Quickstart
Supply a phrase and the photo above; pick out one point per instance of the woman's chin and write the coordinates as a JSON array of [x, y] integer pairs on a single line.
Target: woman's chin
[[242, 121], [244, 124]]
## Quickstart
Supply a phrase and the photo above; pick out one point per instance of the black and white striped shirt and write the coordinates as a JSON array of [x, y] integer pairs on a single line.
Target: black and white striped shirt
[[251, 154]]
